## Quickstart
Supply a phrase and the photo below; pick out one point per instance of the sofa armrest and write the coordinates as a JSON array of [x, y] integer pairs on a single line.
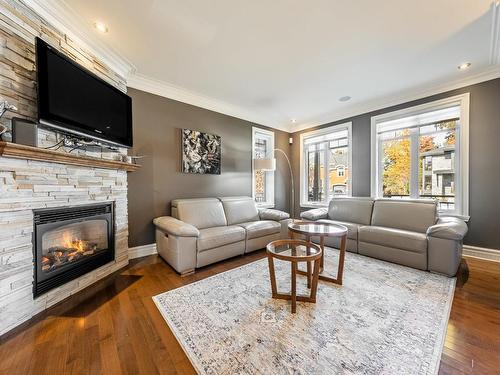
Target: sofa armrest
[[175, 227], [315, 214], [449, 228], [271, 214]]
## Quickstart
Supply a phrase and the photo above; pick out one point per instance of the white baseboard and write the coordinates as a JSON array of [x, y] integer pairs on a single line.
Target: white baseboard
[[142, 251], [481, 253]]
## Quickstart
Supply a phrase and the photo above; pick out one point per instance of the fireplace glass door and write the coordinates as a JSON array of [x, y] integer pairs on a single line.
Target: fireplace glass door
[[72, 243]]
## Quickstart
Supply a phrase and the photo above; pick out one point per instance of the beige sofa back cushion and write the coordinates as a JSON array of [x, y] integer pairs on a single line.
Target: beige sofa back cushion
[[202, 213], [414, 216], [353, 210], [239, 209]]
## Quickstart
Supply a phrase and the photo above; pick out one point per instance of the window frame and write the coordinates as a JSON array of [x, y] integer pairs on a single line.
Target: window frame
[[462, 165], [269, 203], [304, 202]]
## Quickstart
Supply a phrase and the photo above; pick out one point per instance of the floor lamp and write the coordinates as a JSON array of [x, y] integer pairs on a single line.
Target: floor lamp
[[266, 164]]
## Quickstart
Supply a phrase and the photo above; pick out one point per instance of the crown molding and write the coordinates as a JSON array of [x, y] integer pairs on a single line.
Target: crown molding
[[489, 73], [167, 90], [61, 16]]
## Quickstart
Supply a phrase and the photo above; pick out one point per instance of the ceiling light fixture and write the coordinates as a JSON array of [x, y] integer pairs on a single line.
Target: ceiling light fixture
[[344, 98], [100, 26], [293, 120], [465, 65]]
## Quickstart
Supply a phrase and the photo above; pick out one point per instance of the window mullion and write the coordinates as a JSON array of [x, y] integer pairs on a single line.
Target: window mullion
[[380, 169], [327, 173], [414, 162]]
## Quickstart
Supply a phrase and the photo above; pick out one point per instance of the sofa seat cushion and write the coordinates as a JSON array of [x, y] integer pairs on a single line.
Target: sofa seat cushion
[[210, 238], [395, 238], [261, 228], [352, 228]]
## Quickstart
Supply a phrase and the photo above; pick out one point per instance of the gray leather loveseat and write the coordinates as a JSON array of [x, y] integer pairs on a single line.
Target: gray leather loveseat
[[406, 232], [206, 230]]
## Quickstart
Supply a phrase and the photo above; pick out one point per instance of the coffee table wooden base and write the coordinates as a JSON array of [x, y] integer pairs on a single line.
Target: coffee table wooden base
[[312, 277], [340, 269]]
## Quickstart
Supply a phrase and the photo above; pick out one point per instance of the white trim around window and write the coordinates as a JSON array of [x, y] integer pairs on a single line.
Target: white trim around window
[[324, 132], [268, 136], [462, 188]]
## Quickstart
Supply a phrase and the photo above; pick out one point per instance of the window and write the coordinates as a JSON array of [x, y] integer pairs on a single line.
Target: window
[[263, 181], [422, 152], [325, 161]]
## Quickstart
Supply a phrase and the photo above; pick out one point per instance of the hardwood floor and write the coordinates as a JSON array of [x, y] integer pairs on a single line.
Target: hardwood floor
[[114, 327]]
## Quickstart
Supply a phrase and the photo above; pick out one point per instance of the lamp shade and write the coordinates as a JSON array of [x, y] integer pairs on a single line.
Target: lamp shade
[[265, 164]]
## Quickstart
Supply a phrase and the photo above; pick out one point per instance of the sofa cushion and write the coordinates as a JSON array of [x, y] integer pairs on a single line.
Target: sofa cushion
[[256, 229], [396, 238], [351, 210], [175, 202], [239, 209], [415, 216], [202, 213], [210, 238], [352, 228]]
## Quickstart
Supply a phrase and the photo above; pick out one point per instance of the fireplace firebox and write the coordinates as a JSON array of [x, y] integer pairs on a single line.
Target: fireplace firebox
[[69, 242]]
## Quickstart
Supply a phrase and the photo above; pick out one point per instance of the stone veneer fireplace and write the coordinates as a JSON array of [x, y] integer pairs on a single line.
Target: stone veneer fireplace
[[69, 242], [31, 189], [30, 181]]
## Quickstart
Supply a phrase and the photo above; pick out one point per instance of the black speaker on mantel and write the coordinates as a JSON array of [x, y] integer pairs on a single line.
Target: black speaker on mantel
[[24, 132]]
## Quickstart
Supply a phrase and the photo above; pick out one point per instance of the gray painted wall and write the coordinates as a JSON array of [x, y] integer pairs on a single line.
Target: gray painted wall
[[484, 224], [157, 124]]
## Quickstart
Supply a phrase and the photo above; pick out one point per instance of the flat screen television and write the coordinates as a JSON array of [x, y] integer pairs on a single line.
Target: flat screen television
[[72, 99]]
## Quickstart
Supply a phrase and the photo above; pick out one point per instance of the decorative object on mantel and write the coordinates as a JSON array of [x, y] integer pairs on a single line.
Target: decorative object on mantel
[[3, 129], [132, 158], [201, 152], [13, 150], [4, 107]]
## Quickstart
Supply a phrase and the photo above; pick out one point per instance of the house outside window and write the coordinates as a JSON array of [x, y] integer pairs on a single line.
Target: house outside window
[[263, 181], [422, 153], [325, 160]]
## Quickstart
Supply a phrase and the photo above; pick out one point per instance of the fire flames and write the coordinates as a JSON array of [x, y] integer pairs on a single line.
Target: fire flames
[[70, 250], [71, 243]]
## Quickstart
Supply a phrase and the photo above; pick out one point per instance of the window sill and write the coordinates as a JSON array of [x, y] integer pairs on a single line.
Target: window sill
[[465, 218], [313, 205], [265, 205]]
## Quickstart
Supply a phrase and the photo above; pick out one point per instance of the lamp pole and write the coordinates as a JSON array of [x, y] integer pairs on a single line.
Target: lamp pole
[[292, 209]]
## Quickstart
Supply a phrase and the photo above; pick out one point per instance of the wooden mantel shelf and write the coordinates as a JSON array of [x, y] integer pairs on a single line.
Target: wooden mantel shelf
[[14, 150]]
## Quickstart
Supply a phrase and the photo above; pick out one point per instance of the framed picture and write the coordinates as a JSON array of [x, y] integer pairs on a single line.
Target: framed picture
[[201, 152]]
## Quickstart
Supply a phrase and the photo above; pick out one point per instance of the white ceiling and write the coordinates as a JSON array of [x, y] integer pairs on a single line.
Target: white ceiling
[[273, 61]]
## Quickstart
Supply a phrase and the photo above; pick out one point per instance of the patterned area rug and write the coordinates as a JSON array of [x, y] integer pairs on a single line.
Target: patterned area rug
[[385, 319]]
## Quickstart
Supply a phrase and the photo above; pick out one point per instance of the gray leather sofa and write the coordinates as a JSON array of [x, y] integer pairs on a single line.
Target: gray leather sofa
[[207, 230], [406, 232]]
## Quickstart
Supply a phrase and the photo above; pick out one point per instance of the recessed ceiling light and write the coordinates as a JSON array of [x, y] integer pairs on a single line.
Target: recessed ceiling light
[[294, 120], [465, 65], [344, 98], [101, 26]]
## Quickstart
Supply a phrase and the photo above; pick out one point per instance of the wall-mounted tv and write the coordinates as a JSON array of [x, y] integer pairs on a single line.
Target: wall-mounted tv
[[72, 99]]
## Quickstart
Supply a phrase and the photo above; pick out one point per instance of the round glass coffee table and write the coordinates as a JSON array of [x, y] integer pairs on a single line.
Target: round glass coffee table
[[310, 229], [295, 251]]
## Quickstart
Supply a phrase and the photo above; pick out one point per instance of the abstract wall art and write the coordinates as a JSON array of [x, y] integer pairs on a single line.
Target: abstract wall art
[[201, 152]]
